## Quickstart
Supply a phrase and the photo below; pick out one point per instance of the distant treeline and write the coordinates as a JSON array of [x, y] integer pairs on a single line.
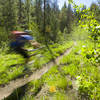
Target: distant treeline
[[43, 17]]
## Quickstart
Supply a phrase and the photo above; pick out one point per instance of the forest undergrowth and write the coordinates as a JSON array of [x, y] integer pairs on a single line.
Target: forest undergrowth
[[16, 68], [76, 78], [76, 75]]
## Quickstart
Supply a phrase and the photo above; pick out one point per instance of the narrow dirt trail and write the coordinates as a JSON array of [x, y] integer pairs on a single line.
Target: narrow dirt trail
[[8, 89]]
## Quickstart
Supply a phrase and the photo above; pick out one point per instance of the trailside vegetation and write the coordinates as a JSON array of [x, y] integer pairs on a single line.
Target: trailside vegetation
[[74, 27]]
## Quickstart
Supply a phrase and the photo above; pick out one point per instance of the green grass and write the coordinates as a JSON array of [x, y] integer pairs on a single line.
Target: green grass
[[56, 81], [53, 78], [11, 65], [47, 56], [59, 79], [86, 73], [8, 68]]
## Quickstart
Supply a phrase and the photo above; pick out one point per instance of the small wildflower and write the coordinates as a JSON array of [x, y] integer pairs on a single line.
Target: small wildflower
[[52, 89], [83, 46], [78, 77], [97, 27], [95, 51]]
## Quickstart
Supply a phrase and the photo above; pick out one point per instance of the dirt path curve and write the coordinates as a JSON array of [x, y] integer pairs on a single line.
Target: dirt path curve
[[8, 89]]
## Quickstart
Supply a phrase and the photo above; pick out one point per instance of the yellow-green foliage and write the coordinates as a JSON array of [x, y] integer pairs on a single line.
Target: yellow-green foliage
[[34, 86], [54, 78], [71, 70], [12, 65], [86, 74], [8, 71], [79, 34]]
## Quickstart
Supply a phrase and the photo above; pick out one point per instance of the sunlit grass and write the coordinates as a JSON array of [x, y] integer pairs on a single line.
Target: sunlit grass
[[59, 79], [12, 65]]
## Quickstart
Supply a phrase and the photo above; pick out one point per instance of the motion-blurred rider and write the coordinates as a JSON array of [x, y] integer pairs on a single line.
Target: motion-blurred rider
[[18, 41]]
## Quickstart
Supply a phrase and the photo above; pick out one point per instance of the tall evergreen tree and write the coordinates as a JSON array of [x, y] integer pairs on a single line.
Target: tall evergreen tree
[[9, 14], [38, 13], [69, 18], [63, 17], [54, 20]]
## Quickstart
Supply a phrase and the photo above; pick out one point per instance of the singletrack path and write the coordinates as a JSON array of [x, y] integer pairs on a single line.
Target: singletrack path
[[8, 89]]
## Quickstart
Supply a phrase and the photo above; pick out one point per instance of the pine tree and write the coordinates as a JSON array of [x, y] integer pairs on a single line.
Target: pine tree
[[38, 13], [54, 21], [69, 18], [63, 17], [9, 15]]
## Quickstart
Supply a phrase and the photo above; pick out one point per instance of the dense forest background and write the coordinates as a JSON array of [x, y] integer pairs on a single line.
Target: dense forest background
[[43, 17]]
